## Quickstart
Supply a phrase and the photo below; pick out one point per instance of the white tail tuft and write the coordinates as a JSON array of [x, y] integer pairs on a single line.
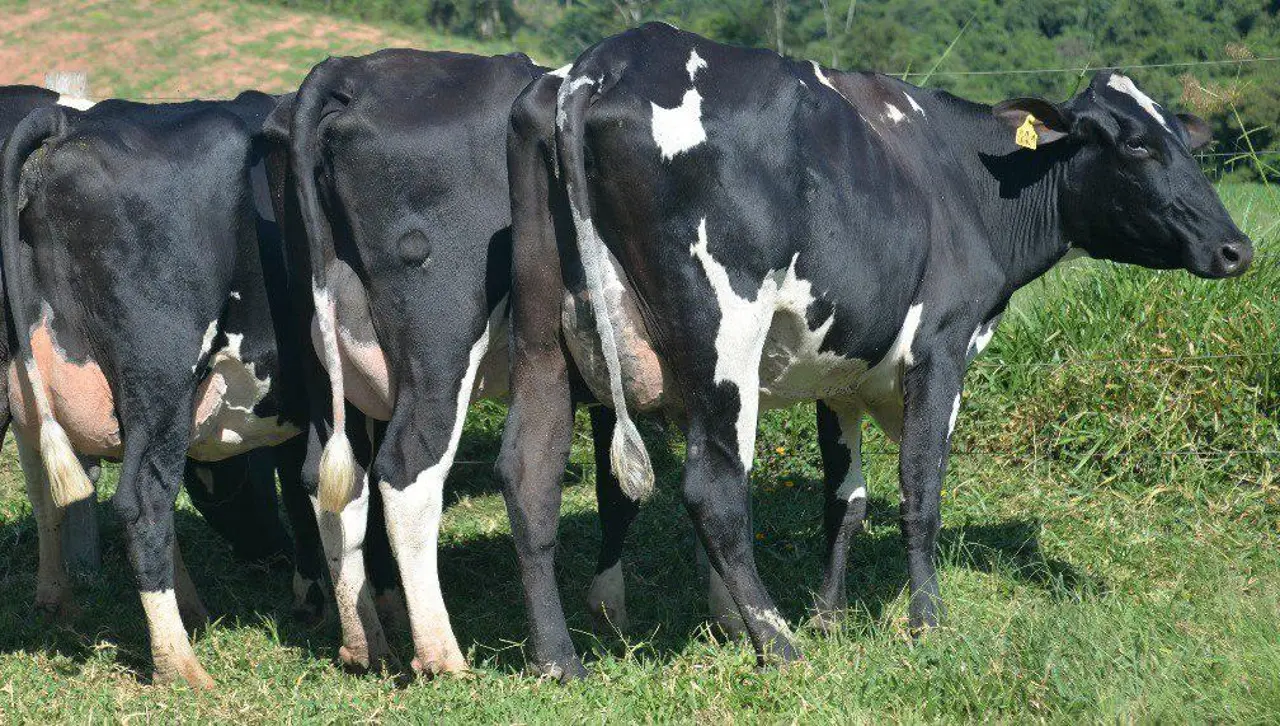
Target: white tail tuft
[[630, 461], [68, 483], [337, 473]]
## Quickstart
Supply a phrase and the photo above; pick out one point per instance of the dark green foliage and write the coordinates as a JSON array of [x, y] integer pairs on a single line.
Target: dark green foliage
[[898, 36]]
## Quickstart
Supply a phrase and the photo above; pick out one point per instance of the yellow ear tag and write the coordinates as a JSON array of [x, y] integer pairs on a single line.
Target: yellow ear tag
[[1027, 136]]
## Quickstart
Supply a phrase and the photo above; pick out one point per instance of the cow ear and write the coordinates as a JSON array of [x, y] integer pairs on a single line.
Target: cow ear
[[1198, 132], [1048, 120]]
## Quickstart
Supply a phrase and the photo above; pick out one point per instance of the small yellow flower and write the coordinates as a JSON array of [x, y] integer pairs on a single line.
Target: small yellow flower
[[760, 535], [788, 483], [781, 450]]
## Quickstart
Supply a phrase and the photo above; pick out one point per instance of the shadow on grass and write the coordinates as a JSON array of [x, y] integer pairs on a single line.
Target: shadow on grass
[[666, 594]]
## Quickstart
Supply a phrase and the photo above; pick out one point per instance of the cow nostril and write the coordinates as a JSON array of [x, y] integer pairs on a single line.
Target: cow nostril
[[1231, 254]]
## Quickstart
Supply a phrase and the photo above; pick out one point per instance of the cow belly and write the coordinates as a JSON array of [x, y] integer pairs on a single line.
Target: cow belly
[[224, 423], [643, 375]]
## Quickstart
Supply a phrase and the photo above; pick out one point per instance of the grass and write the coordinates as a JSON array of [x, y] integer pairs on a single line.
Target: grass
[[1111, 512], [1105, 556]]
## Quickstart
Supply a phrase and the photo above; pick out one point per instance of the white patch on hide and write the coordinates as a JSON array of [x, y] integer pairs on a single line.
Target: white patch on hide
[[1126, 86], [679, 129]]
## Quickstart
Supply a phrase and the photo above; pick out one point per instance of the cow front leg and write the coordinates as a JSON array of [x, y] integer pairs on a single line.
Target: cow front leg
[[607, 599], [931, 392], [150, 479], [53, 585], [364, 644], [845, 505], [194, 613]]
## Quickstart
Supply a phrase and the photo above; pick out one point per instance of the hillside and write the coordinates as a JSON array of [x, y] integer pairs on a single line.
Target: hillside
[[149, 49]]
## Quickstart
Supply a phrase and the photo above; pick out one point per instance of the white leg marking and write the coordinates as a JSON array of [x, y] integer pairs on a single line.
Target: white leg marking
[[607, 598], [52, 582], [170, 648], [772, 617], [854, 485], [1126, 86], [413, 523], [343, 539]]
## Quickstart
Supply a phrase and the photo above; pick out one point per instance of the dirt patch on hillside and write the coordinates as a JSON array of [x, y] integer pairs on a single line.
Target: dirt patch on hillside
[[163, 49]]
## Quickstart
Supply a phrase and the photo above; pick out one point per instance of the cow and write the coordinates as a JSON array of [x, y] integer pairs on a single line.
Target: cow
[[148, 290], [397, 207], [701, 230], [228, 494]]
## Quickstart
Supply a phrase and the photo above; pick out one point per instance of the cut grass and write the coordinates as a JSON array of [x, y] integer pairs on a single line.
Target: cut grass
[[1104, 556]]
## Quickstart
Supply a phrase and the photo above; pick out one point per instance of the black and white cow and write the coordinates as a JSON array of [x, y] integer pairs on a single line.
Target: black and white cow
[[401, 216], [150, 294], [237, 497], [711, 229]]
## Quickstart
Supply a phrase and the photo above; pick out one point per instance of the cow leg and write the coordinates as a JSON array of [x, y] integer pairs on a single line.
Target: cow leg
[[724, 613], [53, 585], [194, 613], [380, 563], [717, 497], [412, 465], [364, 645], [840, 440], [931, 392], [607, 598], [149, 483], [308, 552]]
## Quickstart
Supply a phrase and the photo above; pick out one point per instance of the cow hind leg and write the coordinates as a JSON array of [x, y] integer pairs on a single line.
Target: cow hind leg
[[413, 463], [53, 584], [840, 441], [309, 596], [364, 644], [149, 483], [717, 497], [607, 598]]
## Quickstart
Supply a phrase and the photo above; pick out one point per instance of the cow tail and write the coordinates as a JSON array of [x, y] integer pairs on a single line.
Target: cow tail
[[68, 483], [627, 453], [337, 464]]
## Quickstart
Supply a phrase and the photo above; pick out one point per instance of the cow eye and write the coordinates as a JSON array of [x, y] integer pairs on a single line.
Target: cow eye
[[1136, 147]]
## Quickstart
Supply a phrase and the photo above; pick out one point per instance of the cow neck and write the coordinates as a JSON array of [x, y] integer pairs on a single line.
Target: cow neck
[[1023, 194]]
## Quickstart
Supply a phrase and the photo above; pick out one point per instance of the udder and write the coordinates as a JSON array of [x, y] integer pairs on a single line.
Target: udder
[[78, 394], [224, 423], [643, 375]]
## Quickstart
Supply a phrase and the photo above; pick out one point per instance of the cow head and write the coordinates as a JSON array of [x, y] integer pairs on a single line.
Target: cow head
[[1132, 191]]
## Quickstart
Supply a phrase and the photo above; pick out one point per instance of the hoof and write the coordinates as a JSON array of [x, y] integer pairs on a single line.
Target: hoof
[[432, 667], [571, 670], [784, 651], [357, 661], [606, 620], [58, 610], [308, 601], [189, 672]]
